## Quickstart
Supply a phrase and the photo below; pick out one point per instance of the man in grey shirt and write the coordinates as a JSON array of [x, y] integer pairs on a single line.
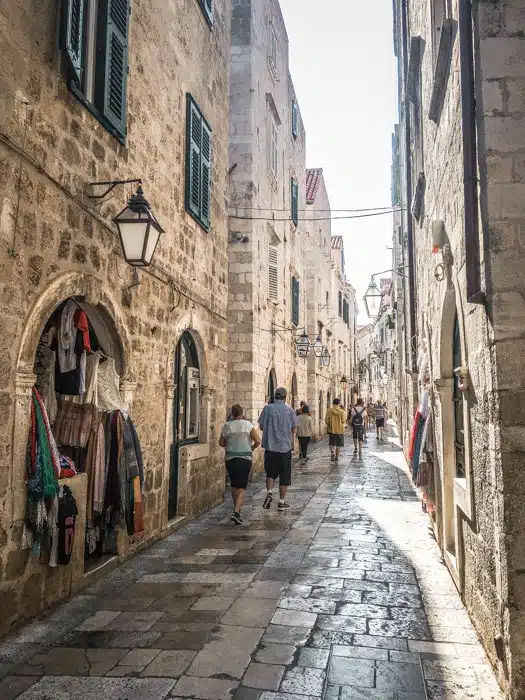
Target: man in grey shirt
[[278, 423]]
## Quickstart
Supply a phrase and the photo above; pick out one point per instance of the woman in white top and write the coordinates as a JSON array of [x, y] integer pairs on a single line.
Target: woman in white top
[[240, 439]]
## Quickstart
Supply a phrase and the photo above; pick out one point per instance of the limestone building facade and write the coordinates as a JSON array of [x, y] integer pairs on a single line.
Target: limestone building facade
[[331, 306], [342, 327], [96, 92], [460, 170], [267, 284]]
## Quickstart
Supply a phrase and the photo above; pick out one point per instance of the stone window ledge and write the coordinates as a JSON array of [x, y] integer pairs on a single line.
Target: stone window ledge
[[198, 450]]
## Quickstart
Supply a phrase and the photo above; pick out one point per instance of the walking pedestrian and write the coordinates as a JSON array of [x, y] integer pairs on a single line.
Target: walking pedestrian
[[357, 422], [380, 420], [300, 409], [335, 425], [240, 438], [278, 423], [304, 432]]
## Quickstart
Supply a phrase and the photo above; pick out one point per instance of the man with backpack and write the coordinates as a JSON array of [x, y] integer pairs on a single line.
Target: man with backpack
[[357, 421]]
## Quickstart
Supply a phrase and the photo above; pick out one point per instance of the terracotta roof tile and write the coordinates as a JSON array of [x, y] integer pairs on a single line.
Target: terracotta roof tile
[[313, 180], [337, 242]]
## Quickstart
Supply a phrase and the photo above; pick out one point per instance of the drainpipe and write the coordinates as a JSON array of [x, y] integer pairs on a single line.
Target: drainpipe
[[410, 229], [468, 127]]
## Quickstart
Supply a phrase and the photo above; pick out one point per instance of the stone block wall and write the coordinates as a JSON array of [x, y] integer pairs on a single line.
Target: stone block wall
[[55, 243], [260, 334], [480, 519]]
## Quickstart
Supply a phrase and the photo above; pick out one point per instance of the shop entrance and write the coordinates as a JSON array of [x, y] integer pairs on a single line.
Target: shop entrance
[[78, 364], [186, 410]]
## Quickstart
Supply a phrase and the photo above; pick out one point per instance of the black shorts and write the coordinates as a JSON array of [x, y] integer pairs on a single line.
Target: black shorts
[[380, 422], [239, 472], [357, 432], [278, 465], [336, 440]]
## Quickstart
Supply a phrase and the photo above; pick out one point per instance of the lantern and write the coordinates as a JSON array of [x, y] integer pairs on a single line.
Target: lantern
[[139, 230]]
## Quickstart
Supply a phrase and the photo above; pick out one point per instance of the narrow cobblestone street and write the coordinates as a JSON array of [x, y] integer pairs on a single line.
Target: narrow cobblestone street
[[343, 597]]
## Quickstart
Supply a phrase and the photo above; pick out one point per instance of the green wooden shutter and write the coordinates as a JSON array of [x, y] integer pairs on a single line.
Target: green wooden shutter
[[193, 158], [340, 304], [72, 36], [207, 6], [295, 201], [115, 16], [295, 115], [205, 176], [295, 301]]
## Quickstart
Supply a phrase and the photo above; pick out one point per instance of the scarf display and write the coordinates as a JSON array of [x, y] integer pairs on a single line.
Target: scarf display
[[42, 471]]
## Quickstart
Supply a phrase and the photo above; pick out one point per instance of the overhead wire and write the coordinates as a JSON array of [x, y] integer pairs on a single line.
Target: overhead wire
[[235, 206], [326, 218]]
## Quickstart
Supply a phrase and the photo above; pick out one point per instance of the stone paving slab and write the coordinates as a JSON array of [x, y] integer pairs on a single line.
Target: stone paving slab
[[344, 597]]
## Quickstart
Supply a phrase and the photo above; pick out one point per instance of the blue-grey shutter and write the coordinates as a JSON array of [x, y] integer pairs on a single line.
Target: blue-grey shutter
[[193, 159], [295, 201], [73, 35], [295, 115], [208, 9], [115, 15], [206, 176], [295, 301]]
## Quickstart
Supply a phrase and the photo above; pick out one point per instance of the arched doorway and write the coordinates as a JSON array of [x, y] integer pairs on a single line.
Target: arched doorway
[[271, 386], [186, 409], [79, 363], [293, 398]]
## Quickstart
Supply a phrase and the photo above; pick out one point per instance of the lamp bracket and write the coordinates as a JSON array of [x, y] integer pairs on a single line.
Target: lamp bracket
[[110, 186]]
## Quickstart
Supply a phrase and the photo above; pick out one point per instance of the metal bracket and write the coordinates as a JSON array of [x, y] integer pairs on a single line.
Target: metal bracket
[[110, 186]]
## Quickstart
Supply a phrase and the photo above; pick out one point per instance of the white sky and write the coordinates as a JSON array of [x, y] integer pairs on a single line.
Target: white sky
[[343, 68]]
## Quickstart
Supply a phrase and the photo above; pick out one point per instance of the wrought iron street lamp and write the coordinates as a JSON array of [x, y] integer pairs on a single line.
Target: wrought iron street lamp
[[318, 346], [325, 357], [302, 345], [139, 230], [344, 383], [372, 299]]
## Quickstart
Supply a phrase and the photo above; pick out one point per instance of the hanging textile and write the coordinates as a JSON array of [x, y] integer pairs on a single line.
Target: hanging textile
[[108, 391], [74, 422], [67, 335], [417, 445], [66, 519], [45, 382], [43, 469]]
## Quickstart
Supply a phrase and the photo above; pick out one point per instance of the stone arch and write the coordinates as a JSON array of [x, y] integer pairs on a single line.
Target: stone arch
[[107, 320], [192, 324], [102, 310]]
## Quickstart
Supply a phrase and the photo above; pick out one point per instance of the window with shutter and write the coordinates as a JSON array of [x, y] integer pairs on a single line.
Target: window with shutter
[[207, 9], [295, 119], [94, 40], [198, 165], [340, 306], [295, 301], [273, 274], [115, 14], [72, 36], [295, 201]]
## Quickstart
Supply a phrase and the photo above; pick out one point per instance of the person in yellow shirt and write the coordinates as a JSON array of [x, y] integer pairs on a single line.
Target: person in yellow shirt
[[335, 424]]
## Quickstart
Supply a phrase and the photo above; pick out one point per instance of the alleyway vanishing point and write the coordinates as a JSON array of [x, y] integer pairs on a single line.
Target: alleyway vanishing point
[[344, 597]]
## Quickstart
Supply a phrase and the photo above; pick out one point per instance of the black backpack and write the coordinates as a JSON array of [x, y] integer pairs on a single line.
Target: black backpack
[[357, 418]]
